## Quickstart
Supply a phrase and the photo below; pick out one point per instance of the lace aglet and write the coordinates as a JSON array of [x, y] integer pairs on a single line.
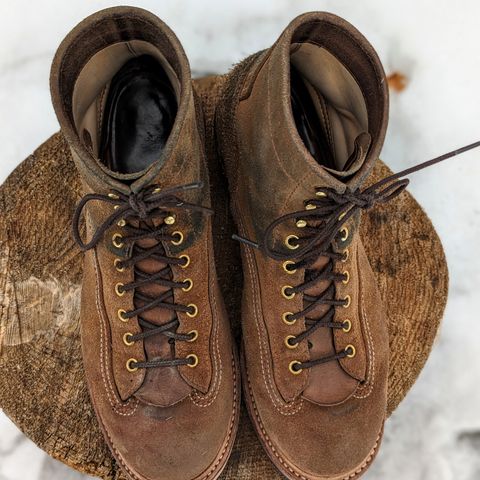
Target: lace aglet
[[193, 186], [246, 241]]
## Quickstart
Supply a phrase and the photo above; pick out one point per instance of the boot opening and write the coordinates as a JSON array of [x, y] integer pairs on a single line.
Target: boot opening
[[138, 116], [328, 107], [125, 103]]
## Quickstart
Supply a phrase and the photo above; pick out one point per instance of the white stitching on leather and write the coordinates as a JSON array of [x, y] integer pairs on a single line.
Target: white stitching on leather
[[197, 398], [283, 408], [367, 389], [104, 357]]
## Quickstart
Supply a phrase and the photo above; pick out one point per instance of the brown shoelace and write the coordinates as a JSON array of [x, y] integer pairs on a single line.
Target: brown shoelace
[[138, 211], [332, 210]]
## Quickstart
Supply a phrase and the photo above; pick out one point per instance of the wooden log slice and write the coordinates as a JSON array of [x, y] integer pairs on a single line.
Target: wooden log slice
[[42, 386]]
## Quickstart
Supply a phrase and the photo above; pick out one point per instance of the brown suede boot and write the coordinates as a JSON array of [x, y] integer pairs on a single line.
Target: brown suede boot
[[157, 350], [300, 129]]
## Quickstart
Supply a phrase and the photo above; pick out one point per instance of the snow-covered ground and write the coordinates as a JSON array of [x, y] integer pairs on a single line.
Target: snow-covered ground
[[435, 433]]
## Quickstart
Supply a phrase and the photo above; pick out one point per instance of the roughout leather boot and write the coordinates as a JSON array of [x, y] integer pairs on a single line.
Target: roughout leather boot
[[300, 128], [158, 356]]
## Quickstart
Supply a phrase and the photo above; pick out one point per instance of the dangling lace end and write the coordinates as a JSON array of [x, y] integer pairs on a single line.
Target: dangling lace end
[[246, 241], [193, 186]]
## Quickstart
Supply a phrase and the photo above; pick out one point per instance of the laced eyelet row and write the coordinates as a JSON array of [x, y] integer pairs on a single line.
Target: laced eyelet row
[[347, 203], [118, 237], [128, 342], [192, 358], [295, 366], [143, 207], [119, 290], [193, 361]]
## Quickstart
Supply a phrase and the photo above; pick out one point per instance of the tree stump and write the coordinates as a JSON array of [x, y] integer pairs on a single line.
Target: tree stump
[[42, 386]]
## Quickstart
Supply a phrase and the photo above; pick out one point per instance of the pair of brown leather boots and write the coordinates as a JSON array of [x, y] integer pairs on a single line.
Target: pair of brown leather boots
[[299, 128]]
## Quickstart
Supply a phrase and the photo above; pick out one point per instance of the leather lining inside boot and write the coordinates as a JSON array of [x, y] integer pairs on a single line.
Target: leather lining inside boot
[[138, 116], [124, 105], [312, 130], [328, 107]]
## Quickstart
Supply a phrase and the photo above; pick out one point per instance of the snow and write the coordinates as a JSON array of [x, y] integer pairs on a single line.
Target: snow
[[435, 433]]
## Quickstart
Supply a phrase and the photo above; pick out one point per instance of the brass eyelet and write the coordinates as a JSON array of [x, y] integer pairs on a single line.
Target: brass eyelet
[[187, 261], [180, 238], [352, 349], [292, 369], [286, 320], [116, 262], [347, 326], [121, 315], [347, 277], [285, 294], [346, 254], [116, 207], [195, 310], [195, 335], [286, 263], [310, 206], [349, 301], [301, 223], [119, 292], [344, 232], [341, 216], [195, 360], [190, 285], [288, 343], [121, 223], [129, 365], [170, 220], [114, 196], [290, 245], [320, 194], [115, 240], [157, 190], [126, 340]]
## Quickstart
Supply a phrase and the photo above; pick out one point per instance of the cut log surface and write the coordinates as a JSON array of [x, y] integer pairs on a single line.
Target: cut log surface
[[42, 385]]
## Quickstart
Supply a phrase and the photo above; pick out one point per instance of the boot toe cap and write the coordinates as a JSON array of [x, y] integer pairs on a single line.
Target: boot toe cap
[[160, 444], [324, 443]]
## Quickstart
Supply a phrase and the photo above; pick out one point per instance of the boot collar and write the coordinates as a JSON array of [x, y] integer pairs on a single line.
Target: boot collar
[[96, 33], [349, 46]]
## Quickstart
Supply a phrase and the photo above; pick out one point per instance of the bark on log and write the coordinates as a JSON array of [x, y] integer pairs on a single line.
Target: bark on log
[[42, 387]]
